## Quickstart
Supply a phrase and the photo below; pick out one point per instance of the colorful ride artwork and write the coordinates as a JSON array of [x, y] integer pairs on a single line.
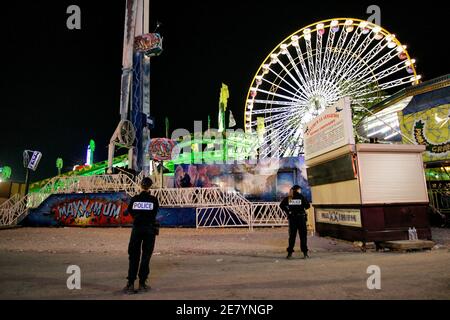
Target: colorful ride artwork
[[161, 149], [94, 209], [99, 210]]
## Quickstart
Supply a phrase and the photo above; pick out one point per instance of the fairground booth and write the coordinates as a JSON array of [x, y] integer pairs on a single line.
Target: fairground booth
[[419, 115], [363, 192]]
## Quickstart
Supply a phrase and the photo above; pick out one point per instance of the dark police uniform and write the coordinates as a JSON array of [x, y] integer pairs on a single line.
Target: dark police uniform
[[295, 210], [143, 208]]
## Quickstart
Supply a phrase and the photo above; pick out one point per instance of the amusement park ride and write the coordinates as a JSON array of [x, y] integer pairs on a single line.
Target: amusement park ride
[[133, 130], [309, 71], [315, 67]]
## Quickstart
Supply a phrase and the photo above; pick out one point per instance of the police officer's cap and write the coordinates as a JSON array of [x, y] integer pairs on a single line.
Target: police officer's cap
[[146, 183]]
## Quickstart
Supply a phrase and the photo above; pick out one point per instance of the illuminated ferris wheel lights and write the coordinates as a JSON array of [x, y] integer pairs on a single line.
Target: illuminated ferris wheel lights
[[390, 41], [349, 25], [390, 37], [376, 29], [402, 52], [334, 26], [401, 48], [273, 58], [294, 86], [258, 80], [410, 62], [363, 24], [307, 34], [391, 45], [321, 29]]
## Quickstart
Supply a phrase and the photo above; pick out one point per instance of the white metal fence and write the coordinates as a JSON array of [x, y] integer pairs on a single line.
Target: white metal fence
[[250, 214], [214, 206]]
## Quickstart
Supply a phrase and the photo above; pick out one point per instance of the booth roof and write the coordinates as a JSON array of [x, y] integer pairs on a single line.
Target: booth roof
[[422, 89], [428, 100]]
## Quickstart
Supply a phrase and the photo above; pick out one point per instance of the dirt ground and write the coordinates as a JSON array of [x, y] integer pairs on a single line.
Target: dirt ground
[[214, 264]]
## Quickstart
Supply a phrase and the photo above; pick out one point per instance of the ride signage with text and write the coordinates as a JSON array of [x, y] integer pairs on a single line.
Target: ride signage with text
[[330, 130]]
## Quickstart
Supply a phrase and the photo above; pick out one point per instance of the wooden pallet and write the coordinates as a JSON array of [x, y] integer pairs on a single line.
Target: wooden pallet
[[407, 245]]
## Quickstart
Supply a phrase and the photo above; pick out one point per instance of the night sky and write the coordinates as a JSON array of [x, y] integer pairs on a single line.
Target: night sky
[[60, 88]]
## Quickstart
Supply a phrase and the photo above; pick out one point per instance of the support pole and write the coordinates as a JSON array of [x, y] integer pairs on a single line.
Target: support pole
[[130, 158], [27, 181], [162, 174], [110, 157]]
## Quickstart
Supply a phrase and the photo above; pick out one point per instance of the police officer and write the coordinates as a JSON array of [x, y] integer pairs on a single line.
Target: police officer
[[143, 208], [295, 205]]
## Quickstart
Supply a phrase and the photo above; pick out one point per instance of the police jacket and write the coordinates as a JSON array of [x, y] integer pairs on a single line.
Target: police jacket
[[295, 206], [143, 208]]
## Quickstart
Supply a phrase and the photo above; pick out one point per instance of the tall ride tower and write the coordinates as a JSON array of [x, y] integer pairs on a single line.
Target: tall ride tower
[[133, 130]]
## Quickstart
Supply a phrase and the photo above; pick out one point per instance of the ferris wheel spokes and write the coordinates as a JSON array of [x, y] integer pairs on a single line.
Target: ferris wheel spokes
[[306, 73], [299, 91]]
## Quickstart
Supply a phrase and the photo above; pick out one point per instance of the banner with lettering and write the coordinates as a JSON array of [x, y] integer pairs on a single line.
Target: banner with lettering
[[330, 130], [431, 128], [92, 209], [344, 217], [100, 210]]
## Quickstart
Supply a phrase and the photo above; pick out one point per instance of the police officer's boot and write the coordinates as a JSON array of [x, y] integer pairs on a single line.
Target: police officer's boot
[[289, 255], [305, 255], [129, 288], [143, 287]]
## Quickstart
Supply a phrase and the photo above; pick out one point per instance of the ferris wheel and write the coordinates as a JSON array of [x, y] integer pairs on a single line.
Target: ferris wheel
[[312, 69]]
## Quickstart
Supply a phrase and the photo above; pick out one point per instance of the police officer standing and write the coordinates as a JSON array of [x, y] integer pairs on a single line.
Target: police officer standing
[[143, 208], [295, 205]]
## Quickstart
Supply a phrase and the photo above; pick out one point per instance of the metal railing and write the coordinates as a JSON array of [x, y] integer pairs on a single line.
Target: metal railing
[[220, 217], [440, 201], [6, 207], [91, 184], [250, 214], [268, 214], [214, 206], [16, 208]]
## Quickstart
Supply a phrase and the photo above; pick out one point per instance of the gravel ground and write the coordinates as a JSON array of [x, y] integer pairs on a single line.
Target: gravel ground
[[214, 264]]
